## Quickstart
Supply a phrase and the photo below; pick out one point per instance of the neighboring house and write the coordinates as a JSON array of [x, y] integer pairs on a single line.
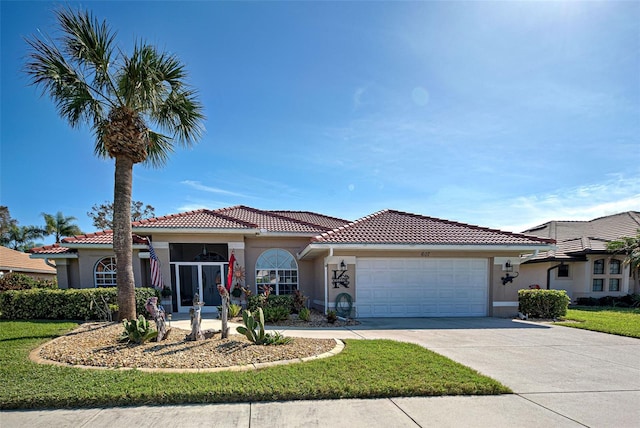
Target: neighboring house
[[17, 261], [580, 263], [389, 264]]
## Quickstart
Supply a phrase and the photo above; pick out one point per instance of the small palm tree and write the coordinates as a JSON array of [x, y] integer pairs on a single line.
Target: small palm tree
[[60, 226], [121, 98], [630, 247]]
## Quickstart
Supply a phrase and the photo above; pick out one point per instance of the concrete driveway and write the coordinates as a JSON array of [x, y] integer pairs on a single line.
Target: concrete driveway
[[587, 377], [562, 377]]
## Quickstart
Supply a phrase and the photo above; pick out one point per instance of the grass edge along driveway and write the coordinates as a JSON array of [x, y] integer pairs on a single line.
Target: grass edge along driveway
[[619, 321], [365, 369]]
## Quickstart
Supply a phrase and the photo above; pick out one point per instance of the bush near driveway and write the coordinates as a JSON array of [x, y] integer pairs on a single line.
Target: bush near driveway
[[364, 369], [620, 321], [549, 304]]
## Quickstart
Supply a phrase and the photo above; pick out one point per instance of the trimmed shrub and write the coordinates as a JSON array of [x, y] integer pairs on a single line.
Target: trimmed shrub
[[74, 304], [273, 301], [543, 303], [20, 281], [275, 314]]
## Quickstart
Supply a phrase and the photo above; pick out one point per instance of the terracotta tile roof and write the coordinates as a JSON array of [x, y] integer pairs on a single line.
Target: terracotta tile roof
[[395, 227], [313, 218], [51, 249], [16, 261], [103, 237], [236, 217], [577, 238], [242, 217]]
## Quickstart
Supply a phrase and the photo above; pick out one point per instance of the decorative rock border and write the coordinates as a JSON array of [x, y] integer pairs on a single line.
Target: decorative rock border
[[34, 356]]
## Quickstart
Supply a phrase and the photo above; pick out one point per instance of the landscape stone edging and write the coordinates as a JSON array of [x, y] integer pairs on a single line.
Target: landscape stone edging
[[34, 356]]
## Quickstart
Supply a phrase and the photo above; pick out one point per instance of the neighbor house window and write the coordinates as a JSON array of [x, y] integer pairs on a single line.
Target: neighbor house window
[[104, 273], [614, 284], [278, 269], [607, 275], [563, 271], [598, 284], [614, 267], [598, 267]]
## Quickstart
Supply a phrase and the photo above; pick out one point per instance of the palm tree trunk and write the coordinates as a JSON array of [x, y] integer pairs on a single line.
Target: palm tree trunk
[[122, 240]]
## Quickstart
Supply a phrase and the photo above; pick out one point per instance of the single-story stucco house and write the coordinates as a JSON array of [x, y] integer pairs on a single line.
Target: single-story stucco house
[[17, 261], [387, 264], [580, 263]]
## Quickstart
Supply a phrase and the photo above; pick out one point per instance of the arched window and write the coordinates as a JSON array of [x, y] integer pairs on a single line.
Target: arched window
[[278, 269], [104, 273]]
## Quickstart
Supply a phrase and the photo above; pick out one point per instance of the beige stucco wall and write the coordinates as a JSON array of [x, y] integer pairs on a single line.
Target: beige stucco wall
[[579, 282], [501, 299]]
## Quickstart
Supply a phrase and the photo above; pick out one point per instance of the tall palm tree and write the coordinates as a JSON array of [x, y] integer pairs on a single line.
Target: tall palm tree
[[22, 238], [120, 97], [60, 226]]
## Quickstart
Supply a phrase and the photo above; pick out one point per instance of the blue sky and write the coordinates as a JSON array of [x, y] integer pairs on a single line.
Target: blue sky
[[501, 114]]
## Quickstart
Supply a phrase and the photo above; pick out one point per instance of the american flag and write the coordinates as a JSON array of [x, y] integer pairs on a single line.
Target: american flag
[[156, 276]]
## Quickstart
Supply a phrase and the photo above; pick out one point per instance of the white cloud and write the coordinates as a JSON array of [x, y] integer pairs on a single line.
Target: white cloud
[[199, 186]]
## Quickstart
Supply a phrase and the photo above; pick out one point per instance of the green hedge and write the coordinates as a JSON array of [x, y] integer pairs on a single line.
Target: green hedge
[[543, 303], [71, 304], [21, 281], [273, 301]]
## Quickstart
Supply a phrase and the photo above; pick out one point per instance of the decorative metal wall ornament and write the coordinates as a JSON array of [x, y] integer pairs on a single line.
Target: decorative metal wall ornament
[[340, 276]]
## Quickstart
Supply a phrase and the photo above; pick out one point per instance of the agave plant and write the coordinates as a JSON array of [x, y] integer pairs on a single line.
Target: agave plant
[[253, 326], [137, 331]]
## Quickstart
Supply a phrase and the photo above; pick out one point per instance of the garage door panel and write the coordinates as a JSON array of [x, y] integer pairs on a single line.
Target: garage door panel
[[421, 287]]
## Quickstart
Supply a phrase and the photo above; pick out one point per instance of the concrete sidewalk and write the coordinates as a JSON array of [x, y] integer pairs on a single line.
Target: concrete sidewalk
[[562, 377]]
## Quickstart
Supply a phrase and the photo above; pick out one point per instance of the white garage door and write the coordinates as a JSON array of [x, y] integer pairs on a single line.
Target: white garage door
[[425, 287]]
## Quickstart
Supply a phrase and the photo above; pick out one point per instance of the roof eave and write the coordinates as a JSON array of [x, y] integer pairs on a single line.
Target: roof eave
[[54, 256], [190, 230], [100, 246], [315, 247]]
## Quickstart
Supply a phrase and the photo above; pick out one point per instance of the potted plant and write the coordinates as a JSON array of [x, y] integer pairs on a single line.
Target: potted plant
[[165, 293]]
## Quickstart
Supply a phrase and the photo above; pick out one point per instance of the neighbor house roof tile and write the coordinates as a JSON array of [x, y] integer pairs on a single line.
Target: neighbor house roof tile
[[17, 261], [395, 227], [577, 238]]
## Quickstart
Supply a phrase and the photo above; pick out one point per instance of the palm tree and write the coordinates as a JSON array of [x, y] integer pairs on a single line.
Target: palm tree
[[120, 97], [630, 247], [22, 238], [60, 226]]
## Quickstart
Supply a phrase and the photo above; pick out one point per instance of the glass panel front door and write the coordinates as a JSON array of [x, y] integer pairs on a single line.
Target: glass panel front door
[[211, 277], [200, 278]]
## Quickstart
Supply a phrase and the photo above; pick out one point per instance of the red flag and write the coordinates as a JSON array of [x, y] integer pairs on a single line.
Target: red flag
[[232, 261]]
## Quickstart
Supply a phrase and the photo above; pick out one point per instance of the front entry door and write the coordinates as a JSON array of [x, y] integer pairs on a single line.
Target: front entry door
[[202, 278]]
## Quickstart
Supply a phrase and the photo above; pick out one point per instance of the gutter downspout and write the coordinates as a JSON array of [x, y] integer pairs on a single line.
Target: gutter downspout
[[49, 263], [326, 282], [549, 273], [529, 257]]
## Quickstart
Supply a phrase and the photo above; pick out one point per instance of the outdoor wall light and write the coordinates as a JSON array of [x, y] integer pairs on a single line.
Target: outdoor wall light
[[508, 267], [343, 266]]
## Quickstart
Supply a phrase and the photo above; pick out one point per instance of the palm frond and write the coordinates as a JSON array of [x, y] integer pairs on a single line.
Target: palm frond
[[48, 69], [159, 149], [90, 44], [182, 113]]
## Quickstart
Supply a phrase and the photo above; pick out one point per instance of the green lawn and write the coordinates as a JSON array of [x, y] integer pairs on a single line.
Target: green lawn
[[366, 368], [620, 321]]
